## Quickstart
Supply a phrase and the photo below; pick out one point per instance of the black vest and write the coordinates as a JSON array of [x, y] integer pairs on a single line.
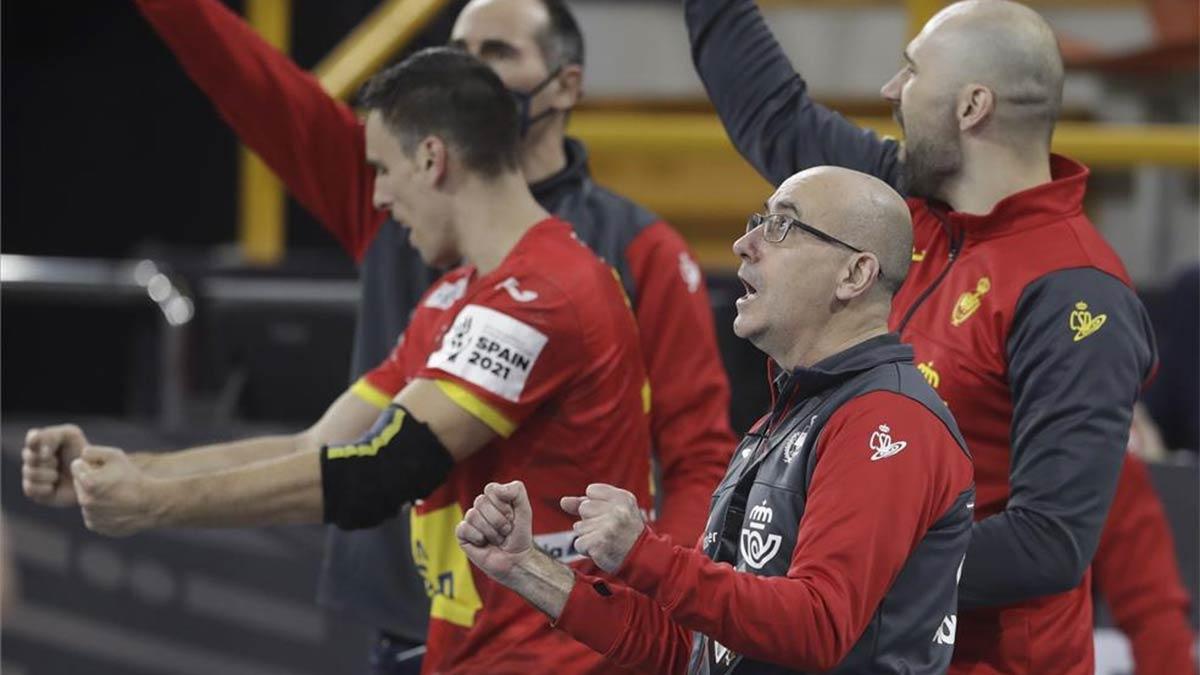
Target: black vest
[[757, 508]]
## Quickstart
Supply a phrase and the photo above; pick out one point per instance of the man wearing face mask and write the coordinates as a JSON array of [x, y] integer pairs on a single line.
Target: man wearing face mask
[[315, 144]]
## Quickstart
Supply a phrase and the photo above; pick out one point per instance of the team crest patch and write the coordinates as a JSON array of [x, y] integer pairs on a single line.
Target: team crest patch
[[490, 349], [796, 442], [883, 445], [969, 302], [1083, 322]]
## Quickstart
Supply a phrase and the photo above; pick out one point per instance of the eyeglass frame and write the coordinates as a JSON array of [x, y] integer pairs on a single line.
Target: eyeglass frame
[[760, 219]]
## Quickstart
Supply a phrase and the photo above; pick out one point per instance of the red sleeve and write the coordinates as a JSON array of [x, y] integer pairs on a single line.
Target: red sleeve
[[313, 143], [380, 385], [862, 520], [689, 389], [507, 352], [626, 627], [1136, 571]]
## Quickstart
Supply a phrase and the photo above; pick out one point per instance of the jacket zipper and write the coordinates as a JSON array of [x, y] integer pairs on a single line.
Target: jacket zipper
[[956, 242]]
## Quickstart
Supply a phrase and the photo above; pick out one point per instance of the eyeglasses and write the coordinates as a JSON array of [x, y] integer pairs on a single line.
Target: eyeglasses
[[776, 225]]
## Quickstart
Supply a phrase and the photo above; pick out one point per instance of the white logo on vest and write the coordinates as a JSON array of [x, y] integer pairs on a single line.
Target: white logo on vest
[[797, 442], [755, 550]]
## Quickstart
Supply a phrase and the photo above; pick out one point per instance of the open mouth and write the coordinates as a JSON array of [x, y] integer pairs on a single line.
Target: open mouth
[[751, 291]]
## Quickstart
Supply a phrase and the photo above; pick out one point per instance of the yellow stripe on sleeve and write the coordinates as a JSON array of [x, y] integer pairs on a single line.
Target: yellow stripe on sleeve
[[367, 392], [646, 396], [472, 404]]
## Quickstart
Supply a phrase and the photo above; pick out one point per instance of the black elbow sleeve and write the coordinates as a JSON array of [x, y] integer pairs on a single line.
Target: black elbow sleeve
[[398, 461]]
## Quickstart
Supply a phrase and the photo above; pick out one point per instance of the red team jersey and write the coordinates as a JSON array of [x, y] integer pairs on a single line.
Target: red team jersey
[[544, 350]]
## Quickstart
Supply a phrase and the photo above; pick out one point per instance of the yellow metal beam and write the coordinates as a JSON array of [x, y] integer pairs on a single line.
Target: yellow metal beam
[[262, 209], [1108, 145], [683, 167], [369, 46]]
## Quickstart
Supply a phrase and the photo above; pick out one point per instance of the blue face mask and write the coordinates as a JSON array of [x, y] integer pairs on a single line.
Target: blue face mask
[[524, 100]]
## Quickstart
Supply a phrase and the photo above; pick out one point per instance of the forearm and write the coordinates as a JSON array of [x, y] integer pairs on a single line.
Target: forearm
[[764, 103], [217, 456], [1017, 555], [283, 490], [544, 582], [628, 628]]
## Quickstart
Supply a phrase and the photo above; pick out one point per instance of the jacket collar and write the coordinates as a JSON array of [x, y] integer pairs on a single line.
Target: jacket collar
[[808, 381], [1039, 205], [569, 178]]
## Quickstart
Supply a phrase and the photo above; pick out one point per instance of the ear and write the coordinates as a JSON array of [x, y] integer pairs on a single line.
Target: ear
[[858, 276], [432, 160], [570, 87], [976, 103]]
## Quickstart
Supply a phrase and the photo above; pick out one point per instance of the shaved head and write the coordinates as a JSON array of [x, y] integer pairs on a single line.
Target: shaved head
[[820, 269], [1008, 48], [857, 208]]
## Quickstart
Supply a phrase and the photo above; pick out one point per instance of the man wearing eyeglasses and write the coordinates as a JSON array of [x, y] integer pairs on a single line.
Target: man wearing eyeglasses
[[835, 541], [1021, 316]]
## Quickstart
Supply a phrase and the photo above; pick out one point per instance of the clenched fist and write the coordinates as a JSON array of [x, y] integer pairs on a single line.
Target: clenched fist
[[497, 532], [46, 464], [610, 523], [117, 497]]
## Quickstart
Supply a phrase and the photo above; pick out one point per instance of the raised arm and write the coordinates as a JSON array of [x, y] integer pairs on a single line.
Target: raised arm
[[764, 103], [314, 143]]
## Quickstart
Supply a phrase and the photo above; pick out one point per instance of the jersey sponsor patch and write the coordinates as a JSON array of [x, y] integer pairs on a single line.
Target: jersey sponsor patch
[[490, 349], [444, 296]]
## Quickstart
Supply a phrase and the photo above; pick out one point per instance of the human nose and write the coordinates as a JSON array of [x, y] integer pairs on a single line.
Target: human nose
[[890, 91], [746, 246]]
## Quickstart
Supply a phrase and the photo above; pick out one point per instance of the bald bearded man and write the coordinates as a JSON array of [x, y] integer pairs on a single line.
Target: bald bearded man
[[1021, 316], [835, 540]]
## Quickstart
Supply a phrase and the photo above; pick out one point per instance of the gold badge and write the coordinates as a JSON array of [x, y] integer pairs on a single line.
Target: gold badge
[[918, 256], [969, 302], [931, 375], [1083, 322]]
